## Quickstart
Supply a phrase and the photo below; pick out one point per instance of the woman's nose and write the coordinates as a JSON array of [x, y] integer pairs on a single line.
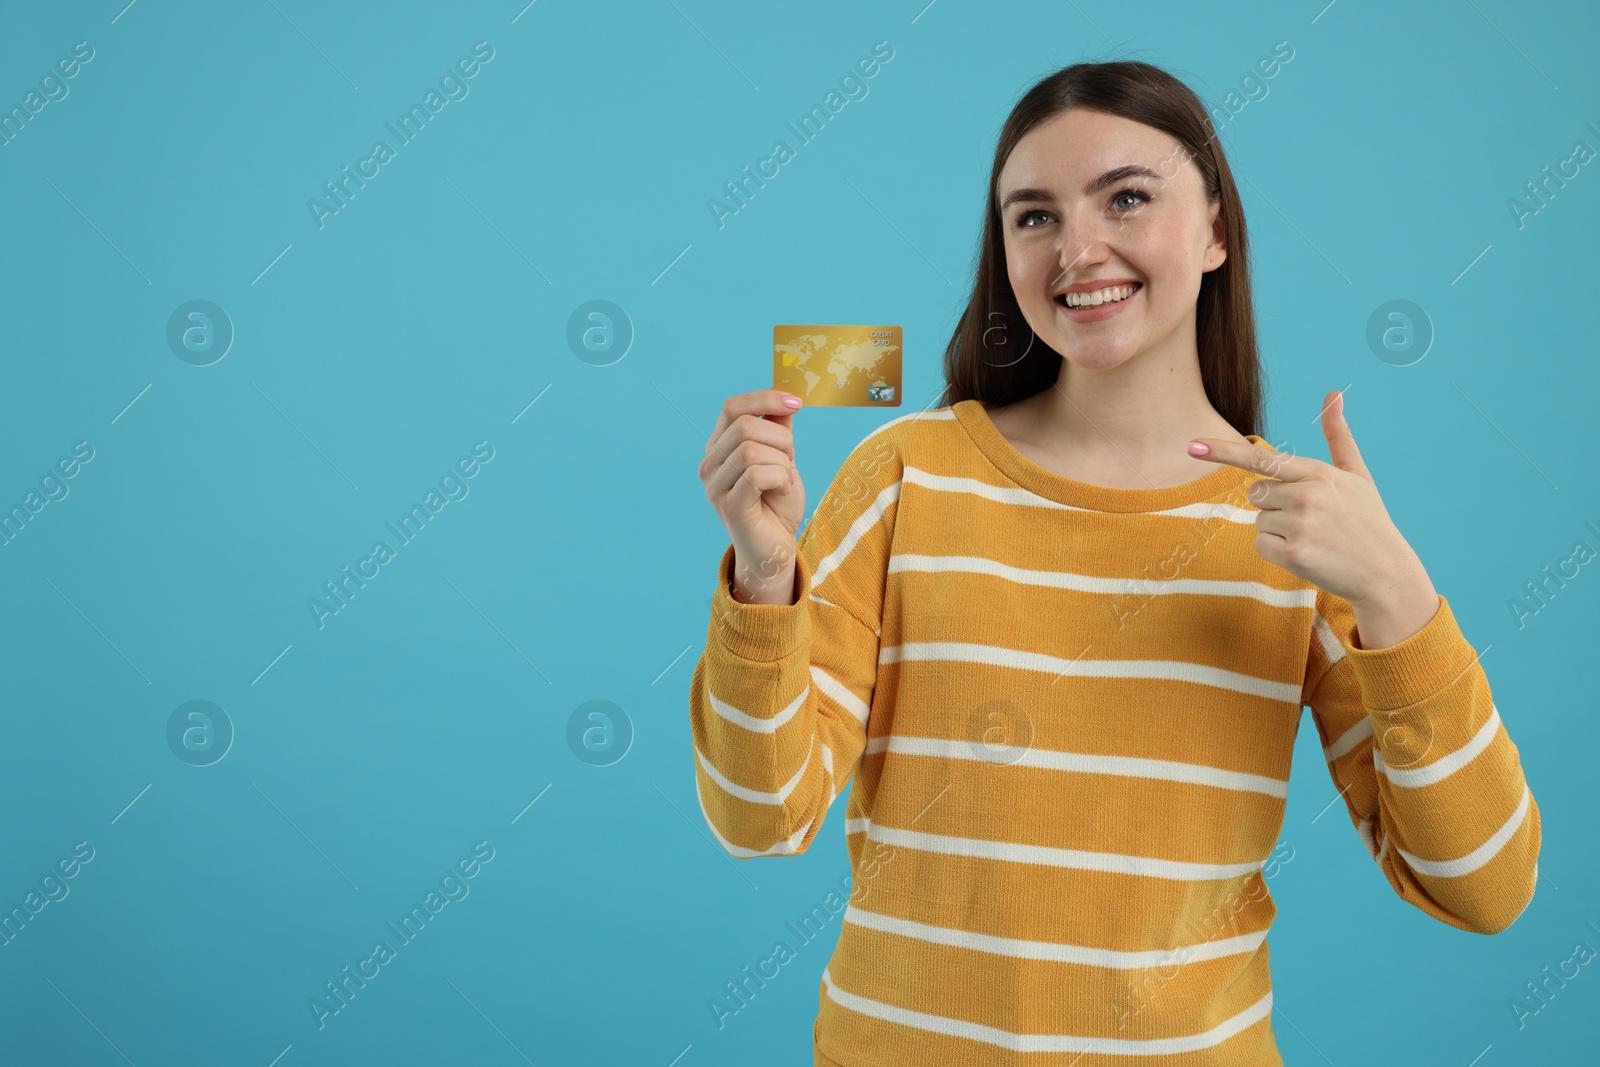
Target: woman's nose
[[1078, 253]]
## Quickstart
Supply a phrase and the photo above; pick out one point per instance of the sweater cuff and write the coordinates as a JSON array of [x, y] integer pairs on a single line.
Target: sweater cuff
[[1413, 670], [761, 633]]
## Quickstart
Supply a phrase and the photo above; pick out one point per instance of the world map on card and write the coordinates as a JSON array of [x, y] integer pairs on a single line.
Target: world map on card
[[837, 366]]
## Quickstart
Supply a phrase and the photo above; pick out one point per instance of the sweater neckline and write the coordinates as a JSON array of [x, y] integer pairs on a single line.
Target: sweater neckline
[[974, 418]]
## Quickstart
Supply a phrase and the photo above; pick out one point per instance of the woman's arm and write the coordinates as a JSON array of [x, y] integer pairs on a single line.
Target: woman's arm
[[1431, 778], [779, 702], [1409, 729]]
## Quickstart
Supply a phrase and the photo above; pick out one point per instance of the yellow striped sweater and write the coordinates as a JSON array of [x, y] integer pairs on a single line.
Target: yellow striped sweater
[[1069, 712]]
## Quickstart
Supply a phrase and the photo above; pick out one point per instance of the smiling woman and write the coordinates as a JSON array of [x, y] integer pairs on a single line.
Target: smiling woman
[[1061, 634], [1116, 238]]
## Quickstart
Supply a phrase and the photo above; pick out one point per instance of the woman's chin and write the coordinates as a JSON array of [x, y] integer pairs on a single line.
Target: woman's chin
[[1098, 355]]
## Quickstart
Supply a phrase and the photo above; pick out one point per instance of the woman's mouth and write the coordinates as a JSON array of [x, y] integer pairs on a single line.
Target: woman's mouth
[[1100, 304]]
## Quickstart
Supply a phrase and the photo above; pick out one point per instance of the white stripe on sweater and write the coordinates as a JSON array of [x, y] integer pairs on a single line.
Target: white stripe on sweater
[[1088, 583], [1044, 855], [756, 723], [1050, 951], [1003, 494], [789, 846], [825, 682], [1166, 670], [1444, 766], [841, 695], [1364, 831], [1332, 647], [864, 522], [1016, 494], [1080, 762], [1478, 856], [1047, 1042], [755, 796], [1349, 739]]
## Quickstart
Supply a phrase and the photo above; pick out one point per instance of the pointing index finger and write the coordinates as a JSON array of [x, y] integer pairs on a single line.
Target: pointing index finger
[[1257, 459]]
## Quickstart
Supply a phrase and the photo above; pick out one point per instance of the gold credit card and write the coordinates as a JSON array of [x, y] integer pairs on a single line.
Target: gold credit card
[[838, 366]]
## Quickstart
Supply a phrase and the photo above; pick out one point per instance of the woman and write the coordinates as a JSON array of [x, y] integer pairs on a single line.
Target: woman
[[1063, 652]]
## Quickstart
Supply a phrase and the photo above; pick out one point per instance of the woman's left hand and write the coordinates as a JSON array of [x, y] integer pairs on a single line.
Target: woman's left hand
[[1326, 523]]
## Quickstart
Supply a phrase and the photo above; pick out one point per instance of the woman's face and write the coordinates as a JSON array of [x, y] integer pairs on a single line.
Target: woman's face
[[1074, 217]]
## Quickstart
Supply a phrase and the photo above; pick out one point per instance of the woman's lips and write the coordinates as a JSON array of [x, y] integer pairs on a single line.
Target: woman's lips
[[1099, 311]]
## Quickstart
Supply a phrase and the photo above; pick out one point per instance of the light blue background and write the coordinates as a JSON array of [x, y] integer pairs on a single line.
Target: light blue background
[[432, 310]]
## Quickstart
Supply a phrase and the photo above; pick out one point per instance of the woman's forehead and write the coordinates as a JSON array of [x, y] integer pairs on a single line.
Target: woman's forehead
[[1068, 169]]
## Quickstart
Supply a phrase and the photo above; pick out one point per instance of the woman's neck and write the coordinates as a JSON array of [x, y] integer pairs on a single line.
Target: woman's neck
[[1126, 427]]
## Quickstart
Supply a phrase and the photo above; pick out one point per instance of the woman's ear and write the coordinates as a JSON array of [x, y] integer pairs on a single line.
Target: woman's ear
[[1217, 251]]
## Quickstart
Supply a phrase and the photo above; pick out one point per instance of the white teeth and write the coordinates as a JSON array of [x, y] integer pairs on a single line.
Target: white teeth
[[1099, 296]]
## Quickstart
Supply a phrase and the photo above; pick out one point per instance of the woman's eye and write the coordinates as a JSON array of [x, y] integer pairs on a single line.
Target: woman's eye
[[1139, 198], [1125, 201]]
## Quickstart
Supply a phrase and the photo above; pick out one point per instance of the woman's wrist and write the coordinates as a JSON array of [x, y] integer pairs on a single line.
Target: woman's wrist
[[772, 580], [779, 589]]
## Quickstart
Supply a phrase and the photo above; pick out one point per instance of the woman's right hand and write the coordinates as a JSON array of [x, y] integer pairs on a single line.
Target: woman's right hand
[[753, 484]]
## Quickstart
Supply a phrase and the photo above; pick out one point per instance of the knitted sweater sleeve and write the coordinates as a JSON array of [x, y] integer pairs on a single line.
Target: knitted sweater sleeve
[[780, 698], [1429, 775]]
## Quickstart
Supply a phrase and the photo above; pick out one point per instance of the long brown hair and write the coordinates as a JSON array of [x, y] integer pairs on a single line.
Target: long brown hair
[[995, 357]]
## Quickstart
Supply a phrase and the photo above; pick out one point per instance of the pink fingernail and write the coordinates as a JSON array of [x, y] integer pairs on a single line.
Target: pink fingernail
[[1198, 448], [792, 401]]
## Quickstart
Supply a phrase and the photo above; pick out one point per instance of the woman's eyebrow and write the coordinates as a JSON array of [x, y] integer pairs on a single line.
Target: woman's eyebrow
[[1110, 177], [1117, 174]]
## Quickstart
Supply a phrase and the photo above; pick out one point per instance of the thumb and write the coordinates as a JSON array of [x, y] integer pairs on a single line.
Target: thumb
[[1342, 448]]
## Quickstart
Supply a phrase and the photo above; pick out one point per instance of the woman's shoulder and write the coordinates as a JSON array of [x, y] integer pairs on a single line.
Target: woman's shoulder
[[907, 435]]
